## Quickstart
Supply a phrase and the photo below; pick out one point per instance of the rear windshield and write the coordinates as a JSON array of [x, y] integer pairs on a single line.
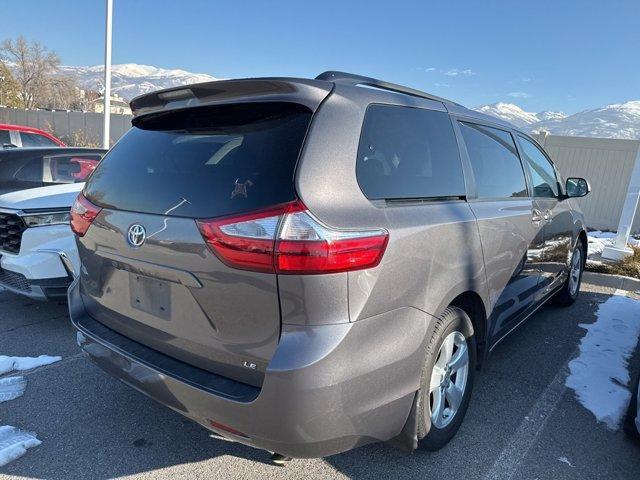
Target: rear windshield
[[204, 162]]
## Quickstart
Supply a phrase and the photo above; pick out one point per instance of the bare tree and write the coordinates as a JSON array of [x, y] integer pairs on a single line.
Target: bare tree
[[60, 93], [33, 66]]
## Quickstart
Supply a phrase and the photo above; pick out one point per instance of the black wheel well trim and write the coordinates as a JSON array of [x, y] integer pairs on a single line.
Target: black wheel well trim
[[470, 302], [582, 237]]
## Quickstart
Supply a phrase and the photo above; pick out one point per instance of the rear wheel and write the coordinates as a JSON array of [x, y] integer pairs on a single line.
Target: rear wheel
[[447, 379], [569, 292]]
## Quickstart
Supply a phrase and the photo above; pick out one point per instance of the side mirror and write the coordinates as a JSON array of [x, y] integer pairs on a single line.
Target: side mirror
[[577, 187]]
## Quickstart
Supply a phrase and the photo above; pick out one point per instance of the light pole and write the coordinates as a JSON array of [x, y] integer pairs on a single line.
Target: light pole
[[107, 75], [1, 85]]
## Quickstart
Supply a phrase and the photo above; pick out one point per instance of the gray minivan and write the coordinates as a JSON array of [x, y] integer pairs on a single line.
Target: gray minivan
[[306, 266]]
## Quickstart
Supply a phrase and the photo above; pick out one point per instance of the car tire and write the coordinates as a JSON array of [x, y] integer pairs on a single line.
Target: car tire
[[629, 425], [446, 380], [571, 288]]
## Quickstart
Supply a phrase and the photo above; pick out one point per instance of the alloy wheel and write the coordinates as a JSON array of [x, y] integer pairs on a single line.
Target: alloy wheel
[[448, 379], [575, 271]]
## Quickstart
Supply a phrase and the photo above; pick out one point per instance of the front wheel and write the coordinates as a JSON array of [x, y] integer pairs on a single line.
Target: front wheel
[[447, 379], [569, 291]]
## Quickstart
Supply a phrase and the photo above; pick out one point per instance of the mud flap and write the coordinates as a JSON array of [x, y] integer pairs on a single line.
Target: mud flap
[[407, 439]]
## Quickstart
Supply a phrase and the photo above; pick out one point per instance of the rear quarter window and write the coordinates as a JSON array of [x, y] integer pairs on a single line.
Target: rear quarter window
[[408, 153]]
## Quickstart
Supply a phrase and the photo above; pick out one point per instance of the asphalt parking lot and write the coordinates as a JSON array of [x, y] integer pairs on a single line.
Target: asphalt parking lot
[[522, 423]]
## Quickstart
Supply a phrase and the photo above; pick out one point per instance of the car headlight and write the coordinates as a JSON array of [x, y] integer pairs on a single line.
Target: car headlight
[[46, 218]]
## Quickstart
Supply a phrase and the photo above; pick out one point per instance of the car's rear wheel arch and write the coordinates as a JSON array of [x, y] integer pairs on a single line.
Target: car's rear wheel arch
[[469, 299], [471, 303]]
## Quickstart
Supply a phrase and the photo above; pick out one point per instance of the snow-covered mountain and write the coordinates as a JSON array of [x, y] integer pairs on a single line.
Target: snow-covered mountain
[[509, 112], [620, 120], [550, 115], [129, 80]]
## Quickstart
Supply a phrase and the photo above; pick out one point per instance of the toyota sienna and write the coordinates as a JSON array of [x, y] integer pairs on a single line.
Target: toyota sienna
[[306, 266]]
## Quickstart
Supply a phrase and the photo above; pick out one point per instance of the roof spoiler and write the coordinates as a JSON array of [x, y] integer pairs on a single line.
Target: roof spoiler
[[296, 90], [309, 93]]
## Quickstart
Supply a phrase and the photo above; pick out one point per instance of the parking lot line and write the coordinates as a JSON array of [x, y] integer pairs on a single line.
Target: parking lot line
[[507, 463]]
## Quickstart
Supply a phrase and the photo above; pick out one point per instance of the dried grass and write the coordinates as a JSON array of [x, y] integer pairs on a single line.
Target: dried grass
[[629, 266]]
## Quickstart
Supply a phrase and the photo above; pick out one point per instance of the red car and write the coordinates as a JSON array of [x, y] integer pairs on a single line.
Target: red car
[[20, 136]]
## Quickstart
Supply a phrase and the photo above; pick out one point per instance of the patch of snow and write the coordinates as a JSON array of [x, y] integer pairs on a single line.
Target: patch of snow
[[596, 245], [566, 460], [12, 388], [8, 364], [597, 240], [599, 234], [599, 374], [14, 443]]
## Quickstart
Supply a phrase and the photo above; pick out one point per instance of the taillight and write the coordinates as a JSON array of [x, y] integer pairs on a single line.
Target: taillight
[[83, 213], [289, 240], [244, 241]]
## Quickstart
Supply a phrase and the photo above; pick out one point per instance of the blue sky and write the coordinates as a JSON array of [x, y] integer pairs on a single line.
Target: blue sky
[[542, 55]]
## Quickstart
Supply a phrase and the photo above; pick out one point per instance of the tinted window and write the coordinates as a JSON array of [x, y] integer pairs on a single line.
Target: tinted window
[[5, 138], [65, 168], [204, 162], [69, 168], [408, 153], [35, 140], [543, 176], [495, 162], [31, 170]]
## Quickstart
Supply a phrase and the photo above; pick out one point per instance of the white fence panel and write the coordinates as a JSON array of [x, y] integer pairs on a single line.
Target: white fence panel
[[607, 164]]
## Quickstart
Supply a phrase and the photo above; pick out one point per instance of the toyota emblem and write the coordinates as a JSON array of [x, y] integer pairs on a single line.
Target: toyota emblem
[[136, 235]]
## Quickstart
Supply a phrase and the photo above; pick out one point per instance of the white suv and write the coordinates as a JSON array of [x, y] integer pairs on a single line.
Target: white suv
[[38, 255]]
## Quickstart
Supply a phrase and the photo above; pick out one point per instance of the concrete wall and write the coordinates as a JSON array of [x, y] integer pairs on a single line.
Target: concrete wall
[[71, 127], [607, 164]]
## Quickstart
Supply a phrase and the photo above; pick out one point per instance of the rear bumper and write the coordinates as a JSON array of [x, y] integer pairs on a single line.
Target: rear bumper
[[327, 389]]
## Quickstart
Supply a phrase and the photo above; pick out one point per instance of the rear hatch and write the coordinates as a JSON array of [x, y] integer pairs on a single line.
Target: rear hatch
[[171, 293]]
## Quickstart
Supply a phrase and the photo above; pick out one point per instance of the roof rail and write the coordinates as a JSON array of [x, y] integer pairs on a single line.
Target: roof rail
[[353, 79]]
